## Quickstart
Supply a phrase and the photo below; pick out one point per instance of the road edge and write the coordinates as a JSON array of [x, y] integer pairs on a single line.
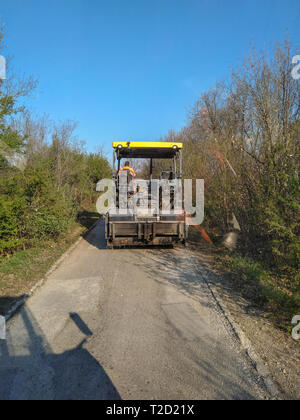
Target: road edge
[[263, 372], [18, 304]]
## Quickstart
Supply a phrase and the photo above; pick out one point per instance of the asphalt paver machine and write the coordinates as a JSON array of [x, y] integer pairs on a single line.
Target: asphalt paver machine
[[156, 225]]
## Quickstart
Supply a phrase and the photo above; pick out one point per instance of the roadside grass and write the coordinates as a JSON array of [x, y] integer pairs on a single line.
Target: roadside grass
[[275, 294], [21, 271], [278, 295]]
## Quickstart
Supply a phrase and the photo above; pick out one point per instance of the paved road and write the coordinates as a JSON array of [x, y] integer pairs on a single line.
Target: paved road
[[124, 324]]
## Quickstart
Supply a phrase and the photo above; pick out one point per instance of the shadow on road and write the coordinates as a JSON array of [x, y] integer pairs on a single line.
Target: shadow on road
[[7, 302], [87, 218], [96, 237], [30, 370]]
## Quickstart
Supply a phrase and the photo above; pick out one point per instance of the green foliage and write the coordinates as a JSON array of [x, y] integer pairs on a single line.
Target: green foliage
[[97, 168], [10, 210], [42, 201], [243, 139], [34, 206]]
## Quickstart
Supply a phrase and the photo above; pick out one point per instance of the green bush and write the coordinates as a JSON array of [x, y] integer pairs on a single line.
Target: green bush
[[34, 206], [10, 211]]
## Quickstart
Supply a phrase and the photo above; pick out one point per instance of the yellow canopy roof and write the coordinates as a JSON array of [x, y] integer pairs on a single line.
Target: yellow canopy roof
[[147, 149], [147, 144]]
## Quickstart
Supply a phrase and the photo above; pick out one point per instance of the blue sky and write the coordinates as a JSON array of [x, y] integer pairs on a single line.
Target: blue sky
[[130, 69]]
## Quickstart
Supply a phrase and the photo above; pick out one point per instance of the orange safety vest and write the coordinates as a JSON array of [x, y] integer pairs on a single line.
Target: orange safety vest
[[132, 173], [127, 168]]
